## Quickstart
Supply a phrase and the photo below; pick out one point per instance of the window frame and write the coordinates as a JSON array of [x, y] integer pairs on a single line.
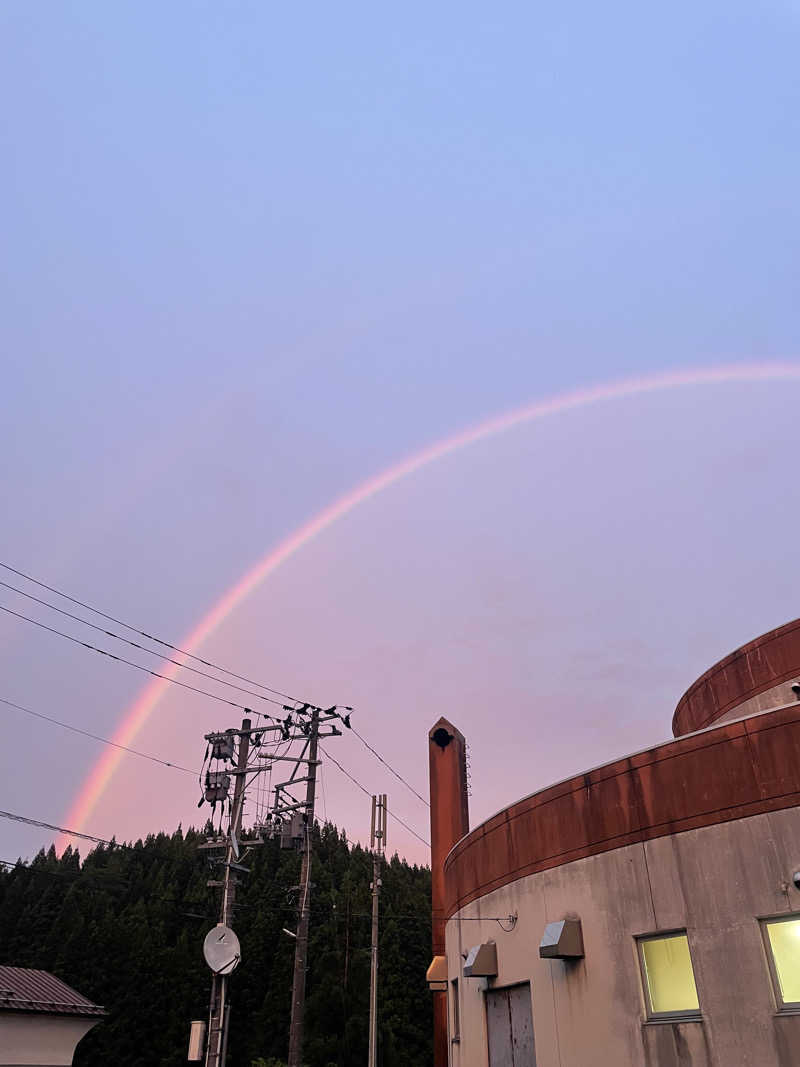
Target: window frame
[[782, 1007], [455, 1017], [688, 1015]]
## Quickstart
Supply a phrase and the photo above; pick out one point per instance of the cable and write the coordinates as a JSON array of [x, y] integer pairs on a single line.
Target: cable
[[121, 659], [58, 829], [366, 792], [142, 648], [387, 765], [142, 633], [182, 652], [95, 737]]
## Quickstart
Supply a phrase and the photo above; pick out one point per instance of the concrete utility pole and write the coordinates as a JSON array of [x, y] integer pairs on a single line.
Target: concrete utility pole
[[290, 819], [219, 1009], [378, 846], [301, 944]]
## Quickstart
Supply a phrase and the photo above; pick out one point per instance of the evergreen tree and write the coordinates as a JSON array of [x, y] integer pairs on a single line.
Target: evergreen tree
[[125, 927]]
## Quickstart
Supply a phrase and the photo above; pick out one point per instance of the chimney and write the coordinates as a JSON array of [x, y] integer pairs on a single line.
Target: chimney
[[447, 754]]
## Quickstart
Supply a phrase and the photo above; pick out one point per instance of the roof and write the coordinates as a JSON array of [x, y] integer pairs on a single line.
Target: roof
[[25, 989]]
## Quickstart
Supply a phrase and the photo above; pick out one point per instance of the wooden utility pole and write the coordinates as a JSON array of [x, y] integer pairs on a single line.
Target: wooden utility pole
[[219, 1010], [378, 845], [301, 944]]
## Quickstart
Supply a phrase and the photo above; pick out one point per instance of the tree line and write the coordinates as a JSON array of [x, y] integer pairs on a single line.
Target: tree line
[[125, 927]]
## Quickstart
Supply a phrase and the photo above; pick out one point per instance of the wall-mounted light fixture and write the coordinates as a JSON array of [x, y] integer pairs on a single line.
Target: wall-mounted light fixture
[[436, 976]]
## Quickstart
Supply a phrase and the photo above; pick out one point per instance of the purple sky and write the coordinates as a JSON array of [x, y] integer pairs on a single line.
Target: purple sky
[[253, 258]]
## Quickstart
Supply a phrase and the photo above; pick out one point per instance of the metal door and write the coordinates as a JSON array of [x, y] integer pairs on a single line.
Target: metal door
[[509, 1018]]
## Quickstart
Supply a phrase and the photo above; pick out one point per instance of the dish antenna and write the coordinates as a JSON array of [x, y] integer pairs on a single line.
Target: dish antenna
[[222, 950]]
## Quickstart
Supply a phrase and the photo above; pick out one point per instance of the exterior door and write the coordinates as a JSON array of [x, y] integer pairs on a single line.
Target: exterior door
[[509, 1017]]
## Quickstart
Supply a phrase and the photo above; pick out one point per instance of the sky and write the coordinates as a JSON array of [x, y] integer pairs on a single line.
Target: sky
[[254, 256]]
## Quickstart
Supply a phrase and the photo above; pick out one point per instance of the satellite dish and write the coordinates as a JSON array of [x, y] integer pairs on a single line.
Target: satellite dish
[[222, 950]]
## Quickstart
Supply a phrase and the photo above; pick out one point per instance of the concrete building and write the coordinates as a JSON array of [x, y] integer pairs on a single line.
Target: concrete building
[[646, 912], [41, 1018]]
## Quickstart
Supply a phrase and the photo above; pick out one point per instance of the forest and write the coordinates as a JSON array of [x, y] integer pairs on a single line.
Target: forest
[[125, 927]]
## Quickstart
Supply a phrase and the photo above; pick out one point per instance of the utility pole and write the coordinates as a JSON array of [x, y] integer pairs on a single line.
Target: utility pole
[[290, 819], [219, 1009], [378, 846], [301, 943]]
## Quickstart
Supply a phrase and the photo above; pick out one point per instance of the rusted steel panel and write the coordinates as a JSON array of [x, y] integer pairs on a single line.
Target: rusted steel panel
[[734, 771], [752, 669], [440, 1039], [775, 747]]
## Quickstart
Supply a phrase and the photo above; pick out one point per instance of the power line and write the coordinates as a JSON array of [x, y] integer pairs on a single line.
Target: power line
[[95, 737], [182, 652], [134, 644], [366, 792], [121, 659], [388, 766], [18, 864], [58, 829], [143, 633]]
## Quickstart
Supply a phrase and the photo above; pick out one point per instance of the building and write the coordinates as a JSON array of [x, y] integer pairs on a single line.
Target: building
[[41, 1018], [646, 912]]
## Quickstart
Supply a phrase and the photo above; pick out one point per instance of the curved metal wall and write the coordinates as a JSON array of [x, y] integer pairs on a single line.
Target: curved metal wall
[[754, 668], [734, 770]]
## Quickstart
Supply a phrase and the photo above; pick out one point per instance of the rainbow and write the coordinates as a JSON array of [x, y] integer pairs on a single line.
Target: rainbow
[[140, 711]]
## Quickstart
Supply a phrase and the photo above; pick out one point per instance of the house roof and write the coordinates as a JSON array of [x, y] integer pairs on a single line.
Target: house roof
[[25, 989]]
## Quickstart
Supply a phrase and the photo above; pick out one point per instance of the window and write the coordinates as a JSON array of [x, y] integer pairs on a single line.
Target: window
[[455, 1017], [668, 976], [782, 939]]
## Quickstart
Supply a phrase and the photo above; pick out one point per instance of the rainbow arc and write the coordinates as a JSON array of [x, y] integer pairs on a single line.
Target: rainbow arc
[[145, 704]]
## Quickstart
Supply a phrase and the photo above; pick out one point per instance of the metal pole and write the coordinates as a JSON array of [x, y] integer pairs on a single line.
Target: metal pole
[[219, 1009], [378, 838], [373, 976], [301, 944]]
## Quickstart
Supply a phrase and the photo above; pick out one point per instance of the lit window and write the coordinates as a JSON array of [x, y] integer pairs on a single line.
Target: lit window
[[782, 938], [668, 976], [455, 1018]]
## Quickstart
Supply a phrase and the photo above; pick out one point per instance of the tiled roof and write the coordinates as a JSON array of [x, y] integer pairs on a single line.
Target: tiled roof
[[24, 989]]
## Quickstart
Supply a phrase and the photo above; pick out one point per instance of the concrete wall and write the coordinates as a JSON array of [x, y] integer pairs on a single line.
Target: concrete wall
[[28, 1038], [714, 881]]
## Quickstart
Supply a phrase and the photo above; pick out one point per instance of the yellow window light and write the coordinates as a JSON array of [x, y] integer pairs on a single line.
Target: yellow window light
[[784, 944], [669, 976]]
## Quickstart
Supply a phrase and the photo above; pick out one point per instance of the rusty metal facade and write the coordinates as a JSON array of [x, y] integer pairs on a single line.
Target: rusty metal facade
[[754, 668], [728, 772]]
